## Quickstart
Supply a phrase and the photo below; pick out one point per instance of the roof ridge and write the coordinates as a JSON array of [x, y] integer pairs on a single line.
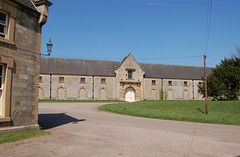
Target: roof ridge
[[175, 65], [77, 59], [123, 61]]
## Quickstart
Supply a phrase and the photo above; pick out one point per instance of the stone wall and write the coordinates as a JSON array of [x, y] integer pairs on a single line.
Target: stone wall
[[176, 89], [152, 88], [73, 89], [22, 102], [77, 87]]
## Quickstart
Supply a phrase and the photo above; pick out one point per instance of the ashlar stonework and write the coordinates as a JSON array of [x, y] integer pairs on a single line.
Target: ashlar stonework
[[128, 80], [20, 43]]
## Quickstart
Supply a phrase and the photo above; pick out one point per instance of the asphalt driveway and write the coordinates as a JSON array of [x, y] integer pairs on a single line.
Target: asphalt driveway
[[80, 130]]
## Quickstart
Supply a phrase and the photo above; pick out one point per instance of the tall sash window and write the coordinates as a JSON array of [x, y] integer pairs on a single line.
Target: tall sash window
[[3, 24]]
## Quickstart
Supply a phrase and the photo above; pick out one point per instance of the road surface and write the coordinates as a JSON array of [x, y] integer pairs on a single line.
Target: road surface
[[80, 130]]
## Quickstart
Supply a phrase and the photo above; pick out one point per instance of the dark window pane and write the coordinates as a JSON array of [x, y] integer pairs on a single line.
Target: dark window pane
[[40, 78], [170, 83], [185, 83], [1, 29], [129, 74], [103, 80], [2, 18], [82, 80], [0, 70], [61, 79], [0, 76]]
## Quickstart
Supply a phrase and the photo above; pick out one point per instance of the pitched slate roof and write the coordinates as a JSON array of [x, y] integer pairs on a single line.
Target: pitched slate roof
[[106, 68], [173, 71], [26, 3], [77, 67]]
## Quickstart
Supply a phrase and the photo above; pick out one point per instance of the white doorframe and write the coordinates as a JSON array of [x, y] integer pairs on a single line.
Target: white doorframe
[[2, 74]]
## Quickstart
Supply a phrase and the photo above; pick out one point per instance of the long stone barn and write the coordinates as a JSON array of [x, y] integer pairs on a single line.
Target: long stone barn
[[128, 80]]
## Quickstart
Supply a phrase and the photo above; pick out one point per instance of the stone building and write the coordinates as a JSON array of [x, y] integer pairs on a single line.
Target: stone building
[[128, 80], [21, 22]]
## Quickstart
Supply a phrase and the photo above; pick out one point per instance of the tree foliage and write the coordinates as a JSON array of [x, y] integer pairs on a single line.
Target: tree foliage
[[224, 81]]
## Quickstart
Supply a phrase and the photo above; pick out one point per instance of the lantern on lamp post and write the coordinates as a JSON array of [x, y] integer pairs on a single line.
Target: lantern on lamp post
[[49, 48]]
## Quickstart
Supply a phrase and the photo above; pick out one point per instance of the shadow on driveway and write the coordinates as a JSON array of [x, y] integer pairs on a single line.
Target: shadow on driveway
[[47, 121]]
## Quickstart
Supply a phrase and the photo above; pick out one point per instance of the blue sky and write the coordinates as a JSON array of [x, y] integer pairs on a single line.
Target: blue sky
[[154, 31]]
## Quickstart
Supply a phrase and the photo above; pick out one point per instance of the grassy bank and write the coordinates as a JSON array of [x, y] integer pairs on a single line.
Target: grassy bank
[[219, 112], [78, 101], [12, 137]]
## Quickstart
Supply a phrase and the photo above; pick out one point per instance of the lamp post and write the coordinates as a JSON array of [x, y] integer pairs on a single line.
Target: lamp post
[[49, 51], [49, 48]]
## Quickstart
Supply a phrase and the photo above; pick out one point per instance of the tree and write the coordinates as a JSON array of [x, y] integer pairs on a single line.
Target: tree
[[224, 81]]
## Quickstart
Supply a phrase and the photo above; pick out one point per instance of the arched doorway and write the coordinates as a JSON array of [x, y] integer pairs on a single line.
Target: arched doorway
[[185, 95], [82, 94], [130, 94], [170, 95], [102, 94], [61, 94], [154, 94]]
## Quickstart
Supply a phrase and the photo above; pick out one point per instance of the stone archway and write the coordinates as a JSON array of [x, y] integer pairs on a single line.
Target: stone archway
[[130, 94], [102, 94], [61, 93], [170, 95], [185, 95], [82, 94], [154, 95]]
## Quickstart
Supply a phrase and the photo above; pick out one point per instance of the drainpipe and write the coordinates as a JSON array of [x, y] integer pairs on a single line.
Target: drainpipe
[[162, 89], [193, 89], [50, 87], [93, 87]]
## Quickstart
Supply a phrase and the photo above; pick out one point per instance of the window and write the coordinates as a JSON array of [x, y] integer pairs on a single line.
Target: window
[[6, 67], [103, 80], [153, 82], [185, 83], [82, 80], [40, 79], [8, 16], [61, 79], [130, 74], [170, 83], [3, 24]]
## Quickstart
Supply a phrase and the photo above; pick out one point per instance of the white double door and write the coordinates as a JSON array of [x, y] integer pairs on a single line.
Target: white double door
[[130, 95]]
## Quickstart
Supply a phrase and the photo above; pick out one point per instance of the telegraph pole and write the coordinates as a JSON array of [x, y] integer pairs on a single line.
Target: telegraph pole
[[205, 76]]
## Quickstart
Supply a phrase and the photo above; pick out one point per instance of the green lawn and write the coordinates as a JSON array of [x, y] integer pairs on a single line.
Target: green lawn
[[78, 101], [219, 112], [12, 137]]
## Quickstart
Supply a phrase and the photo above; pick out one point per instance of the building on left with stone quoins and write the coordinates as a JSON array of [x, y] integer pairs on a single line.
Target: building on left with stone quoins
[[21, 24]]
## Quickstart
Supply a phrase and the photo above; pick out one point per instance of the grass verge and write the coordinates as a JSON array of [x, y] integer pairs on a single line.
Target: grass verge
[[219, 112], [78, 101], [12, 137]]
